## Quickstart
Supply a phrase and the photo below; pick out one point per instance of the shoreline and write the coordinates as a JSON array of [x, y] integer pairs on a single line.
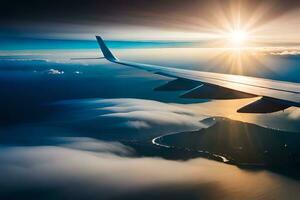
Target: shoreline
[[206, 154]]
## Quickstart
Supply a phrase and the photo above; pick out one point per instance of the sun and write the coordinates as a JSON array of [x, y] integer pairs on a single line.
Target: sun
[[238, 37]]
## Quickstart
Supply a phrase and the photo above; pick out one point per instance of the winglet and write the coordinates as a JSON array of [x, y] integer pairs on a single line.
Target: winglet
[[106, 52]]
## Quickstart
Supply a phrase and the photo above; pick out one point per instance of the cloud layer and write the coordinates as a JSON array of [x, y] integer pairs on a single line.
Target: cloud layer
[[91, 169], [128, 115]]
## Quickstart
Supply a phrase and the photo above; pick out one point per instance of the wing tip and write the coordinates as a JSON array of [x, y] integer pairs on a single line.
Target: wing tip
[[105, 50]]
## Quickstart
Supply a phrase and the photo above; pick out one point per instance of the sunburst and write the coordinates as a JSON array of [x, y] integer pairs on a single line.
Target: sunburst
[[238, 38]]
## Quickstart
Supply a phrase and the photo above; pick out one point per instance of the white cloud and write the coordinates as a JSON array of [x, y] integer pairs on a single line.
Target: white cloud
[[280, 51], [155, 117], [79, 171], [136, 124], [90, 144], [285, 52], [54, 71]]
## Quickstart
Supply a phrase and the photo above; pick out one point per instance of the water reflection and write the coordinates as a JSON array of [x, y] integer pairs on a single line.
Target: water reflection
[[283, 120]]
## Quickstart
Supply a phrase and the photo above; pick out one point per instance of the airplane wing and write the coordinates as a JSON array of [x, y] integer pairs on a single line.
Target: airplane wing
[[275, 95]]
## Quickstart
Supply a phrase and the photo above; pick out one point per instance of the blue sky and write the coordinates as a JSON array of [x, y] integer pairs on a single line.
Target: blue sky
[[19, 43]]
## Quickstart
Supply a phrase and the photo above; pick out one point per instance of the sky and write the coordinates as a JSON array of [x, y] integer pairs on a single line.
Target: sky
[[152, 20]]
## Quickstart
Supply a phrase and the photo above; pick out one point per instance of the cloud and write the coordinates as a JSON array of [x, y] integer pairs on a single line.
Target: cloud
[[78, 173], [54, 71], [74, 170], [81, 166], [164, 117], [144, 116], [136, 124], [294, 114], [286, 52], [281, 51], [94, 145]]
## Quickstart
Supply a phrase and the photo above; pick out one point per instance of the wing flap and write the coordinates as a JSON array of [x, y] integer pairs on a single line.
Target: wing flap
[[264, 105], [207, 91]]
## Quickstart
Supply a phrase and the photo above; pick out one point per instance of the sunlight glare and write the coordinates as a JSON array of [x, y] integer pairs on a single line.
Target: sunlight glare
[[238, 37]]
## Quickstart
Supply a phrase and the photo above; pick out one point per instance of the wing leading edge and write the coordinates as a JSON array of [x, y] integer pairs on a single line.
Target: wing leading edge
[[275, 95]]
